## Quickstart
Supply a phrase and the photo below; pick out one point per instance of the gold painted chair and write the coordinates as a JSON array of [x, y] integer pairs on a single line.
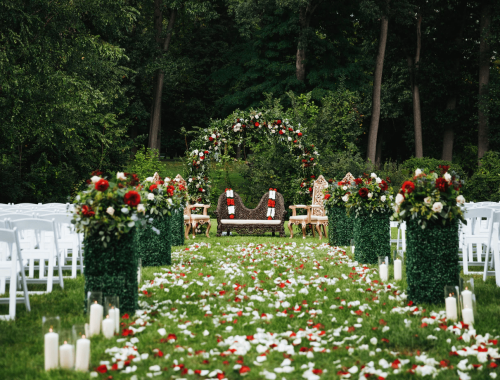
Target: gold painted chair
[[195, 219]]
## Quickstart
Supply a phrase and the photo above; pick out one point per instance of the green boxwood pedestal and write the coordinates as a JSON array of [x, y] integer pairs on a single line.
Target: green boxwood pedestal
[[431, 261], [155, 249], [340, 226], [177, 228], [112, 270], [372, 237]]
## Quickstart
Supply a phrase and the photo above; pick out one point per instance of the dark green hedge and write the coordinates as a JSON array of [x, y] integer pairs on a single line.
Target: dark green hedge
[[431, 261], [340, 226], [112, 270], [177, 228], [371, 237], [155, 249]]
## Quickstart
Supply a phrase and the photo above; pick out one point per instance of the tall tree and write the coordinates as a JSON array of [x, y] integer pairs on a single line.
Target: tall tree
[[305, 14], [484, 76]]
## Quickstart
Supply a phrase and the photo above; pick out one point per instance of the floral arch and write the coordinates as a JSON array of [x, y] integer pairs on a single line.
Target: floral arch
[[213, 143]]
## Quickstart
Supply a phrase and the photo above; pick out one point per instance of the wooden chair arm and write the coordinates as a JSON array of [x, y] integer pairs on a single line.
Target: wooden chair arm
[[198, 205], [295, 207]]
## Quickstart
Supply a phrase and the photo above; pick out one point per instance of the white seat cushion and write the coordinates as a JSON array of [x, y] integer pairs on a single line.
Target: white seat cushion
[[250, 221], [319, 217], [186, 217], [298, 217], [200, 216]]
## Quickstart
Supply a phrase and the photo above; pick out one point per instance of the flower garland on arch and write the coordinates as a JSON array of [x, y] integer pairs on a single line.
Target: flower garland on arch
[[271, 204]]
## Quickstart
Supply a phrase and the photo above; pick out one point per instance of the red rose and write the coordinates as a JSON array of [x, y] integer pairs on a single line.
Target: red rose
[[87, 211], [182, 188], [299, 134], [278, 122], [101, 185], [202, 158], [210, 138], [231, 216], [327, 196], [152, 187], [358, 181], [88, 182], [132, 198], [290, 129], [312, 158], [383, 185], [102, 368], [304, 160], [281, 132], [313, 176], [206, 152], [310, 189], [363, 192], [295, 141], [441, 184], [200, 189], [408, 187], [256, 124]]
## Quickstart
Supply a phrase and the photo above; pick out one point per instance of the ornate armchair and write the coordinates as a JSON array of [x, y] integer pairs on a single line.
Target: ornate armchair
[[195, 219]]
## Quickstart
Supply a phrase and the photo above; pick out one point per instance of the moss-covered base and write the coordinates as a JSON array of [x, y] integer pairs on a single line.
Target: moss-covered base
[[340, 226], [154, 247], [431, 261], [177, 228], [372, 237], [112, 270]]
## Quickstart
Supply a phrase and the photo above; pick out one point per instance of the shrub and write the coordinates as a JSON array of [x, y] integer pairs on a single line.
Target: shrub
[[429, 163], [484, 184], [146, 163]]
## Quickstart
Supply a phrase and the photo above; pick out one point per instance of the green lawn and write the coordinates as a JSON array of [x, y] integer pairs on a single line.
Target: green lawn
[[246, 273]]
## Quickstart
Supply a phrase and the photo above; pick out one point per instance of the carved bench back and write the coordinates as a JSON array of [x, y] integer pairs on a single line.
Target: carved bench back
[[241, 212]]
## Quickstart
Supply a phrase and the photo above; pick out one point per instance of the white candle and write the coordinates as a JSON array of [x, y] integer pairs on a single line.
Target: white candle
[[82, 354], [67, 355], [108, 327], [51, 344], [467, 299], [451, 308], [383, 272], [468, 316], [95, 319], [117, 319], [139, 275], [398, 270], [387, 260]]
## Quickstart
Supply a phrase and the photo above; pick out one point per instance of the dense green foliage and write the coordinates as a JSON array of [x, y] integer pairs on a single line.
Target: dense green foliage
[[371, 237], [154, 245], [177, 228], [340, 226], [484, 185]]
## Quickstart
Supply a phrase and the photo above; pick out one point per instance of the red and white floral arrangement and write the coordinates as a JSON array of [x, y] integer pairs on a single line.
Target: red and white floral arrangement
[[271, 204]]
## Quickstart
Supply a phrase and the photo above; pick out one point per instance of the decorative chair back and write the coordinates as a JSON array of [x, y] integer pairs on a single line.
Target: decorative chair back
[[317, 198], [182, 181], [348, 178]]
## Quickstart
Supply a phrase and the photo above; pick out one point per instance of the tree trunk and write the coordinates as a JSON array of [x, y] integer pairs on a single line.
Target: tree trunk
[[484, 77], [449, 133], [417, 115], [155, 121], [377, 86], [305, 20], [378, 155]]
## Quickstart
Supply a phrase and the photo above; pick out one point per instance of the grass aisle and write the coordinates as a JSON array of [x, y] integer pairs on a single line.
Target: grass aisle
[[266, 308]]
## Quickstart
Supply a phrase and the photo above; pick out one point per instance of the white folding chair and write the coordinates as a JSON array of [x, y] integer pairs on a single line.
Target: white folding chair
[[400, 241], [48, 251], [476, 236], [494, 245], [68, 241], [9, 270]]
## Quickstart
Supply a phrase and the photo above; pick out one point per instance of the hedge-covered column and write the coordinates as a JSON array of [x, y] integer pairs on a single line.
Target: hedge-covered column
[[431, 260], [177, 228], [340, 226], [112, 269], [154, 243], [371, 237]]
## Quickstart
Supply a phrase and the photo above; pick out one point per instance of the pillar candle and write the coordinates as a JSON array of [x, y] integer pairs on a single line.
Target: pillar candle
[[51, 345], [451, 308], [398, 270], [383, 272], [82, 354], [95, 319], [468, 316], [117, 319], [467, 298], [67, 355], [108, 327]]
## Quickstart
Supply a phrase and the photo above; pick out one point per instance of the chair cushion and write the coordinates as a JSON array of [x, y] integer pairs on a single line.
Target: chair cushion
[[200, 216], [298, 217], [319, 217], [250, 221]]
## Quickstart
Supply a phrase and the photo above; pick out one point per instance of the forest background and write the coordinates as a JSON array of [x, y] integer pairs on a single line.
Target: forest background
[[86, 84]]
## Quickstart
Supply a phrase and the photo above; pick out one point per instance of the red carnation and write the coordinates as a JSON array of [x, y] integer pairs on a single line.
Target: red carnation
[[132, 198], [383, 185], [408, 187], [327, 196], [441, 184], [363, 192], [101, 185], [299, 134], [170, 191], [87, 211], [231, 216], [152, 187], [256, 124], [358, 181]]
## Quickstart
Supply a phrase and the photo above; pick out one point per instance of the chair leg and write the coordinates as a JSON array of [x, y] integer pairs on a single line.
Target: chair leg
[[194, 230], [318, 228], [59, 270], [186, 233], [291, 229], [304, 231], [208, 229], [50, 275], [324, 231]]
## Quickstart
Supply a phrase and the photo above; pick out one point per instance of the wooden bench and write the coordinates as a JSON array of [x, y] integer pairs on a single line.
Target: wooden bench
[[250, 222]]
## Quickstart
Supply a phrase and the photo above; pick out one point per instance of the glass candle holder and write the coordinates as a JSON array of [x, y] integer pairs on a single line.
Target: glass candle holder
[[139, 271], [353, 243], [50, 328], [398, 266], [82, 353], [467, 283], [112, 308], [451, 302], [66, 350], [383, 268], [96, 312], [468, 299]]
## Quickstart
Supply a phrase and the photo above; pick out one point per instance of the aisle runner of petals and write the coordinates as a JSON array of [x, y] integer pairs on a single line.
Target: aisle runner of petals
[[219, 313]]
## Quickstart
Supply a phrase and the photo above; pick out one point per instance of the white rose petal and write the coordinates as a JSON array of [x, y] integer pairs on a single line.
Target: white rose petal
[[95, 178], [437, 207], [373, 341]]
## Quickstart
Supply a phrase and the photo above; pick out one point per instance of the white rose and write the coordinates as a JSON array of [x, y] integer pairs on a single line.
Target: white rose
[[150, 179], [141, 208], [370, 195], [167, 179], [202, 154], [95, 178], [195, 151], [437, 207], [345, 198], [213, 136], [169, 200], [121, 176], [460, 200], [110, 210], [399, 199], [344, 188], [418, 172], [236, 129], [257, 116], [151, 196], [289, 138], [428, 201], [190, 180], [383, 198], [378, 180], [447, 177], [238, 125], [373, 175]]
